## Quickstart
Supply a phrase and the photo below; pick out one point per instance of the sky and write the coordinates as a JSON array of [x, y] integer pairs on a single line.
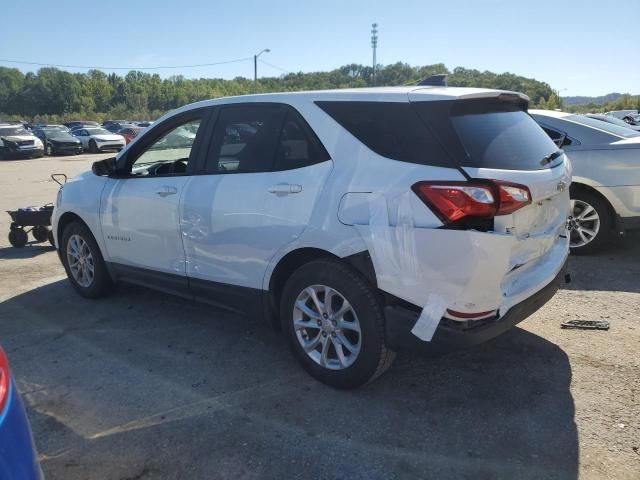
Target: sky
[[579, 47]]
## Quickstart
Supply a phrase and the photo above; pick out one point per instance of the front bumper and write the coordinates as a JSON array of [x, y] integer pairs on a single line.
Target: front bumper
[[453, 335], [15, 154], [110, 146], [66, 149]]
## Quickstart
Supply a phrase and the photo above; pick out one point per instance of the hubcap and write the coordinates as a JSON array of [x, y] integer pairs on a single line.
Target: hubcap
[[80, 260], [584, 223], [327, 327]]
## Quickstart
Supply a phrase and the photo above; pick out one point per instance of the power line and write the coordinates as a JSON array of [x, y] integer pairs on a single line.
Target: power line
[[275, 66], [88, 67]]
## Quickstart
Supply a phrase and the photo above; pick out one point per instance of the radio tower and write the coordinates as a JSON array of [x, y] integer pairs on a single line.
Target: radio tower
[[374, 46]]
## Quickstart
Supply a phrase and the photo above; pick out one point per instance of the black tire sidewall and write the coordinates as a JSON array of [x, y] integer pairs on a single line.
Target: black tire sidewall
[[93, 146], [18, 238], [102, 282], [363, 300], [605, 233], [40, 233]]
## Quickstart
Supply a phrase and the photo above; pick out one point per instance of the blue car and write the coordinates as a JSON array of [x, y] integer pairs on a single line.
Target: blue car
[[18, 459]]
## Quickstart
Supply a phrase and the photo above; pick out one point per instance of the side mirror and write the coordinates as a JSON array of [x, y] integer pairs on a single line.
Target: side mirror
[[105, 168]]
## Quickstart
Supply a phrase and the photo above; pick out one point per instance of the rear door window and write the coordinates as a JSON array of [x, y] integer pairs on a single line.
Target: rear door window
[[298, 146], [244, 139]]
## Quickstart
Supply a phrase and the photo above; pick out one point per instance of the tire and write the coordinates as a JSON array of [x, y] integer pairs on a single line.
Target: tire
[[48, 151], [596, 218], [373, 357], [40, 233], [93, 147], [18, 237], [99, 284]]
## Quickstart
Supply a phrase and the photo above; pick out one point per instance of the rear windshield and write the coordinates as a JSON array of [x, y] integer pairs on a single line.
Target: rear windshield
[[449, 133], [509, 140]]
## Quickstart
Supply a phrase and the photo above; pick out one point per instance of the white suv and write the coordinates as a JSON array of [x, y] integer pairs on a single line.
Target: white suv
[[359, 222]]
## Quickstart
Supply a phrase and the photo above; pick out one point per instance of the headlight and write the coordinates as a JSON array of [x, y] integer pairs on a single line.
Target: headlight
[[37, 142]]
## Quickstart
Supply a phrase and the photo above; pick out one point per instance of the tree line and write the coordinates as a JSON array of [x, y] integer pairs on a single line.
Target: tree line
[[52, 95], [625, 102]]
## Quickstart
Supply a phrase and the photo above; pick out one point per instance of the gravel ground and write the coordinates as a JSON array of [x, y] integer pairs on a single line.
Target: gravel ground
[[145, 386]]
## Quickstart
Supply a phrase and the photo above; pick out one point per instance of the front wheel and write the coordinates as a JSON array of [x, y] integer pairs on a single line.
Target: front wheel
[[335, 325], [590, 224], [83, 262], [48, 151], [93, 147]]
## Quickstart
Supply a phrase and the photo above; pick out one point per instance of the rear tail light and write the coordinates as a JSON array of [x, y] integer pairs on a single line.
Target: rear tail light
[[4, 380], [454, 201]]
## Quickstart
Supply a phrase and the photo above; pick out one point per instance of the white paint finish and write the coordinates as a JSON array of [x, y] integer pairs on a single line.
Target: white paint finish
[[140, 222], [233, 224]]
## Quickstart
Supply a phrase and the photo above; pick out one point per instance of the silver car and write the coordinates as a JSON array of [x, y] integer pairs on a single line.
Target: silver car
[[605, 192]]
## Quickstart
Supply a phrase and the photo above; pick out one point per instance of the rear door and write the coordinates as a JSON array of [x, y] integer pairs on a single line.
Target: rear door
[[495, 138], [255, 194]]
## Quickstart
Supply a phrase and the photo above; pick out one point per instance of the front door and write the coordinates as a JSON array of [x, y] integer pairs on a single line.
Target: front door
[[140, 211]]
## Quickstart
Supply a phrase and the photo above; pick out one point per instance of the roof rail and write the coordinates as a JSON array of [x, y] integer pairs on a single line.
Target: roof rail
[[439, 80]]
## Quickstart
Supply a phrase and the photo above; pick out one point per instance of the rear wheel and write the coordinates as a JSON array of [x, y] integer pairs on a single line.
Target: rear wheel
[[334, 324], [590, 224], [83, 262]]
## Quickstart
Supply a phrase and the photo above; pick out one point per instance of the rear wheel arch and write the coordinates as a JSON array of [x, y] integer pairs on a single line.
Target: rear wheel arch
[[360, 262]]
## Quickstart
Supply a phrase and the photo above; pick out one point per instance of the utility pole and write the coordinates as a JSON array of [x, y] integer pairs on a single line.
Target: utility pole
[[374, 46], [255, 66]]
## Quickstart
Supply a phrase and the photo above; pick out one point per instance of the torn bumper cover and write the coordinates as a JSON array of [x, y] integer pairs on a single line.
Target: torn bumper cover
[[453, 335]]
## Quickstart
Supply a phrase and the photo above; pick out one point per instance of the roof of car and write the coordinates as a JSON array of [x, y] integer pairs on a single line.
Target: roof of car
[[371, 94], [550, 113]]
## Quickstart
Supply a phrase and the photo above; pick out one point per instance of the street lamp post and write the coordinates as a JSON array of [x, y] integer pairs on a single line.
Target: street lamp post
[[255, 65]]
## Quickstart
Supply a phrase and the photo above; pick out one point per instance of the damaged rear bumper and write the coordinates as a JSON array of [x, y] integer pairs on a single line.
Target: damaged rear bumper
[[453, 335]]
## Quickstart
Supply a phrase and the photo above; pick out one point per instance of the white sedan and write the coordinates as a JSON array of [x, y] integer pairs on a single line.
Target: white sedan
[[98, 139]]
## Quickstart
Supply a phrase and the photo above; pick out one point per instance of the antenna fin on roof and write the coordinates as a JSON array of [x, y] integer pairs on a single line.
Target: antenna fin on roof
[[434, 81]]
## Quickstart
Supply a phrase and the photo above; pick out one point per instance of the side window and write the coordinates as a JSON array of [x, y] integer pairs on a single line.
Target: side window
[[393, 130], [168, 153], [298, 147], [244, 139]]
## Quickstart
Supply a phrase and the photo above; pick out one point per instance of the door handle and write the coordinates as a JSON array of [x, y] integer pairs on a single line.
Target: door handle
[[166, 190], [285, 189]]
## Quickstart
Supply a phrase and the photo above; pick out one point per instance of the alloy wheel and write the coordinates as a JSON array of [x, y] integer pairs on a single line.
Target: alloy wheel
[[584, 223], [327, 327], [80, 261]]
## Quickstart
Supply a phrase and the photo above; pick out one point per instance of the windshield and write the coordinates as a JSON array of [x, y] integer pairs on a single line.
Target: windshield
[[9, 131], [617, 130], [55, 130], [98, 131]]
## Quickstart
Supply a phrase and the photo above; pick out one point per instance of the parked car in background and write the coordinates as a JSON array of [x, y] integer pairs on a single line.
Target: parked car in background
[[114, 126], [18, 458], [80, 123], [58, 139], [613, 120], [621, 113], [129, 133], [17, 142], [144, 124], [98, 139], [632, 119], [605, 192], [347, 217]]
